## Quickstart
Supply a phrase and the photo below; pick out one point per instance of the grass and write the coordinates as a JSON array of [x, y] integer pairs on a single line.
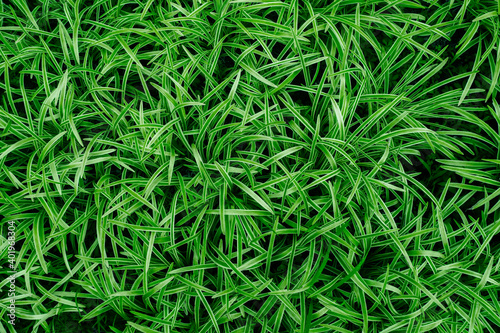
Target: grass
[[250, 166]]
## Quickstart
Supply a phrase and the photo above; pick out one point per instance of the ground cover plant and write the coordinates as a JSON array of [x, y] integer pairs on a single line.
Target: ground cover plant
[[250, 166]]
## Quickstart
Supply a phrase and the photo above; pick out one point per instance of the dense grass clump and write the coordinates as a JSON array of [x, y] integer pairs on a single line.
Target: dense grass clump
[[250, 166]]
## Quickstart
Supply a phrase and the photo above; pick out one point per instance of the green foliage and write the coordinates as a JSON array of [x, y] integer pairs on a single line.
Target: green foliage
[[250, 166]]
